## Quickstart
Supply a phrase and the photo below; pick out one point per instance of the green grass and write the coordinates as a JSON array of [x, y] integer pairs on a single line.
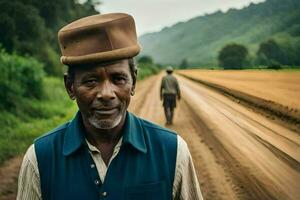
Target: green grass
[[284, 69], [144, 73], [253, 68], [292, 69], [36, 118]]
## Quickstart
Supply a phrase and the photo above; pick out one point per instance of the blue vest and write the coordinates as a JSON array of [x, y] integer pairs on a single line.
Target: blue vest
[[144, 168]]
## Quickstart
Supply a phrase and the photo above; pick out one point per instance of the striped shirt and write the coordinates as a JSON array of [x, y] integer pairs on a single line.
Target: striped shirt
[[185, 186]]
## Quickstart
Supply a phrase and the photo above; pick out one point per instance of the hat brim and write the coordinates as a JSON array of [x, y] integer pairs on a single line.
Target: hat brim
[[113, 55]]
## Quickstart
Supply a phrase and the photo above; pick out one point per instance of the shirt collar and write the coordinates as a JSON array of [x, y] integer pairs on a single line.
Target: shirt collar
[[133, 134]]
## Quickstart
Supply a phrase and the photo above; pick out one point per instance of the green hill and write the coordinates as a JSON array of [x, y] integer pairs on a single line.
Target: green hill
[[200, 39]]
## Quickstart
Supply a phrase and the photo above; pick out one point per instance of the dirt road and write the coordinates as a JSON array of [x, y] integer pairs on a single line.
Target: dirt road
[[238, 154]]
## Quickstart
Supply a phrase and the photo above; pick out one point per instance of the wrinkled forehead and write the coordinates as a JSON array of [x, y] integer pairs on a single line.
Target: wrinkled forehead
[[121, 66]]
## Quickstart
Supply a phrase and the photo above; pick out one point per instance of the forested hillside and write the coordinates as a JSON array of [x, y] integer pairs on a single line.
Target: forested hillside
[[199, 40], [29, 27]]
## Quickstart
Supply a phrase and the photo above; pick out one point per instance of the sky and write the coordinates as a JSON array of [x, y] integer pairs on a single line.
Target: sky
[[153, 15]]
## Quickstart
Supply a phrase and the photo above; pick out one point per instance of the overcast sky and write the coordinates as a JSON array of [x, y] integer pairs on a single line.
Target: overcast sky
[[153, 15]]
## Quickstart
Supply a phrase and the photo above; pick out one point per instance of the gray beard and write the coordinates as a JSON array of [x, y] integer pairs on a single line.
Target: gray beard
[[104, 123]]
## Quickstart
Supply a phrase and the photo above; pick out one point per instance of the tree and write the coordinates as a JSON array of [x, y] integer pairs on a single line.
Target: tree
[[23, 29], [7, 32], [184, 64], [145, 59], [270, 53], [233, 56]]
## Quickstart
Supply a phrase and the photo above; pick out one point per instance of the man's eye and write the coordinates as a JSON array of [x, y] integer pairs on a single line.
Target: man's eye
[[90, 82], [119, 79]]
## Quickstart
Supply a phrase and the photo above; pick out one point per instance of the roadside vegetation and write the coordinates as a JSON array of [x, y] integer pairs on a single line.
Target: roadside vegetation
[[31, 103], [33, 99], [146, 67]]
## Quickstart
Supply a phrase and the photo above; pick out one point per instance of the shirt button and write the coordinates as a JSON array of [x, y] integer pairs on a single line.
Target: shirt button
[[104, 194], [92, 166], [97, 182]]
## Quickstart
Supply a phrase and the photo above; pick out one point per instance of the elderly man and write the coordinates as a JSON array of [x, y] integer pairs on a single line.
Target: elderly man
[[169, 90], [105, 152]]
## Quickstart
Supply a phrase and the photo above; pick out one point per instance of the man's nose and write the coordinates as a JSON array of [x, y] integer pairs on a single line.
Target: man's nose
[[105, 91]]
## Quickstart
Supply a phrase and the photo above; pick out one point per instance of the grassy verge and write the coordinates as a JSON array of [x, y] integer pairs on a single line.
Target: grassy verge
[[147, 69], [38, 116]]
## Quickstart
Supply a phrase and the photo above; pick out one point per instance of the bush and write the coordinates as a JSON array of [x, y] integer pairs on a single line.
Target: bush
[[233, 56], [274, 65], [145, 59], [34, 118], [270, 53], [20, 77], [146, 69], [51, 61]]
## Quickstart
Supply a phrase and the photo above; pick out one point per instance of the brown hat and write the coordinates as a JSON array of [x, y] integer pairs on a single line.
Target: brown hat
[[98, 38]]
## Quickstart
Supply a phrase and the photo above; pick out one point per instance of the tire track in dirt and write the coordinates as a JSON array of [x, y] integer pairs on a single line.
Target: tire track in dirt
[[292, 137], [244, 185], [276, 151], [293, 162], [214, 181], [288, 117]]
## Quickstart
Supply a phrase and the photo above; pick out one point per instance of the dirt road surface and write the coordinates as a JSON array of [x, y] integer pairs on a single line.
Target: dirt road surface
[[238, 154]]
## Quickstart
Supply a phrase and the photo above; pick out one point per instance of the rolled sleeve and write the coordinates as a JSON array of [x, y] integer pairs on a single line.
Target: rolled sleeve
[[29, 180], [186, 186]]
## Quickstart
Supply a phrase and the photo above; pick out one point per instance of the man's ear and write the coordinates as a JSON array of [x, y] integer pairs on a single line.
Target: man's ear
[[69, 86], [132, 90], [133, 83]]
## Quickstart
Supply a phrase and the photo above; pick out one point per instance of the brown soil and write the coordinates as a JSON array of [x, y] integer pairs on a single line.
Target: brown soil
[[238, 154], [9, 172], [273, 94]]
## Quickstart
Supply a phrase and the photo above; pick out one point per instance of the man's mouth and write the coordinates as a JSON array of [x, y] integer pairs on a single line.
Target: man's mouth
[[105, 111]]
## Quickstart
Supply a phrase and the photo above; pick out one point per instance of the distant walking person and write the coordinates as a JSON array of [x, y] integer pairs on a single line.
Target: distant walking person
[[169, 90]]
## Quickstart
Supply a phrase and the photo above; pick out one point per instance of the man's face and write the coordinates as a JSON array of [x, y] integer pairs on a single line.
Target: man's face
[[102, 93]]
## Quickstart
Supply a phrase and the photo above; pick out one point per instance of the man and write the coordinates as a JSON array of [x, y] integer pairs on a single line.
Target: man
[[169, 90], [105, 152]]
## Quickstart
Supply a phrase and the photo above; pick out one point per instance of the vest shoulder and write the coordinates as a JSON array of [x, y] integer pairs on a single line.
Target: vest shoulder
[[53, 133]]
